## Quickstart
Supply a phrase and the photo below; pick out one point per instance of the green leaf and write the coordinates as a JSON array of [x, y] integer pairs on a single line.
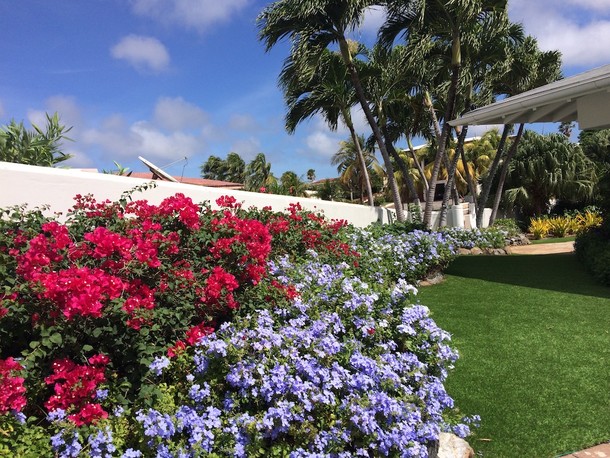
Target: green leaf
[[34, 344], [87, 348], [56, 338]]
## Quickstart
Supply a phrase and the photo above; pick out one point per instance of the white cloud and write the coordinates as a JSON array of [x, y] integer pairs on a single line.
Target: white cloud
[[247, 148], [568, 26], [322, 144], [242, 122], [177, 114], [122, 140], [599, 5], [143, 53], [192, 14]]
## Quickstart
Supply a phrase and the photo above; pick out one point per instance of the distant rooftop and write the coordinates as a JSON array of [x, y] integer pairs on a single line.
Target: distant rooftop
[[195, 181]]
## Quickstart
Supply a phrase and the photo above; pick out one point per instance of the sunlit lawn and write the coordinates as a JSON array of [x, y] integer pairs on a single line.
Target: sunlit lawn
[[533, 333]]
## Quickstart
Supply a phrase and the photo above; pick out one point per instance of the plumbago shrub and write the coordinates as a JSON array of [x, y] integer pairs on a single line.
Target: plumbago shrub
[[134, 329]]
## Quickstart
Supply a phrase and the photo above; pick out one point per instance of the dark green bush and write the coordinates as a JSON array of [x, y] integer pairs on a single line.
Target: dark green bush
[[593, 250]]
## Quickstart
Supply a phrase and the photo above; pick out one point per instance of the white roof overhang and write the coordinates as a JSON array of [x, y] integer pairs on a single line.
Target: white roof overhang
[[584, 98]]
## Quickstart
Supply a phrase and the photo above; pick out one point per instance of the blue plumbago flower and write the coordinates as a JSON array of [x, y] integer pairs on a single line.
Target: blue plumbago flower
[[344, 370], [19, 416], [159, 363], [56, 415], [101, 394], [66, 447], [131, 453], [100, 444]]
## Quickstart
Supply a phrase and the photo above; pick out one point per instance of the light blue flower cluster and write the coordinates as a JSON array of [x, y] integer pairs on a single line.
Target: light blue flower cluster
[[482, 238], [410, 256], [341, 371]]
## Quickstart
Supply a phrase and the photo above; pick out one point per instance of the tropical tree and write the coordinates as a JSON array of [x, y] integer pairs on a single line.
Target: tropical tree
[[328, 92], [548, 167], [258, 174], [388, 86], [312, 26], [531, 68], [34, 147], [349, 165], [451, 25], [311, 175], [231, 169]]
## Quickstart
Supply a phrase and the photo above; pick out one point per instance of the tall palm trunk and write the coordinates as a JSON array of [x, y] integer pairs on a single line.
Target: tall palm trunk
[[347, 58], [442, 144], [504, 172], [418, 164], [404, 169], [490, 175], [365, 172], [471, 186], [451, 177]]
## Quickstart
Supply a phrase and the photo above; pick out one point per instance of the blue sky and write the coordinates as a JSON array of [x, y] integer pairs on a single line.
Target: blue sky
[[168, 79]]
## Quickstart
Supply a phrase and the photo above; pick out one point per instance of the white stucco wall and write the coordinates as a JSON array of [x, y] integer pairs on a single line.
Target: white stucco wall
[[37, 186]]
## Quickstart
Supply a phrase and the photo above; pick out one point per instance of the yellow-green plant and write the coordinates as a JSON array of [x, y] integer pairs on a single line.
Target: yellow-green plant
[[539, 227], [560, 226], [587, 220]]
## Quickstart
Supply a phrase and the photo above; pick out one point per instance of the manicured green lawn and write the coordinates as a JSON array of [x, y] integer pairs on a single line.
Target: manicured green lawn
[[533, 333]]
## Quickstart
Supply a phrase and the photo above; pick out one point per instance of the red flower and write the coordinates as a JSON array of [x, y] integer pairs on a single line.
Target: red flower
[[74, 386], [12, 389]]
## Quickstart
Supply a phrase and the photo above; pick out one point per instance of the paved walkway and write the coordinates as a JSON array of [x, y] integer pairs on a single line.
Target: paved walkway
[[601, 450], [543, 248]]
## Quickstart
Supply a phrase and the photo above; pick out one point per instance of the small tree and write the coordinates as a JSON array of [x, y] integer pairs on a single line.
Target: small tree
[[34, 147]]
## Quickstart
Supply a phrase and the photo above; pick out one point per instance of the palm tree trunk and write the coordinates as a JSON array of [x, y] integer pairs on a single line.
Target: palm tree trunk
[[471, 186], [442, 222], [490, 175], [504, 172], [420, 168], [442, 144], [430, 107], [365, 172], [345, 53], [404, 169]]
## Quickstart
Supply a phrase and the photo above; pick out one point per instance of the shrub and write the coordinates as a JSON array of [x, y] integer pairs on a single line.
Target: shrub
[[593, 249], [560, 226], [507, 225], [539, 227], [93, 310]]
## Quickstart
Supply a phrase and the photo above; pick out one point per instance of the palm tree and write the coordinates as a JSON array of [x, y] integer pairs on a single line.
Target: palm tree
[[445, 21], [34, 147], [524, 73], [291, 184], [349, 164], [313, 25], [387, 86], [546, 167], [258, 174], [531, 68], [236, 168], [328, 92]]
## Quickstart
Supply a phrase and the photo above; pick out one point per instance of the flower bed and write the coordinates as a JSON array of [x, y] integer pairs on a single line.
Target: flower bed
[[178, 330]]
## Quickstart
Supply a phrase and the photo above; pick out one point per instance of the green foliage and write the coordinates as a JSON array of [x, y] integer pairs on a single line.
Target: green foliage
[[546, 167], [593, 249], [231, 169], [23, 440], [34, 147], [508, 225]]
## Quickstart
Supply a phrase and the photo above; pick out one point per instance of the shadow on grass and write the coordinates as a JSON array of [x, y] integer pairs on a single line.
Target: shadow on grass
[[554, 272]]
